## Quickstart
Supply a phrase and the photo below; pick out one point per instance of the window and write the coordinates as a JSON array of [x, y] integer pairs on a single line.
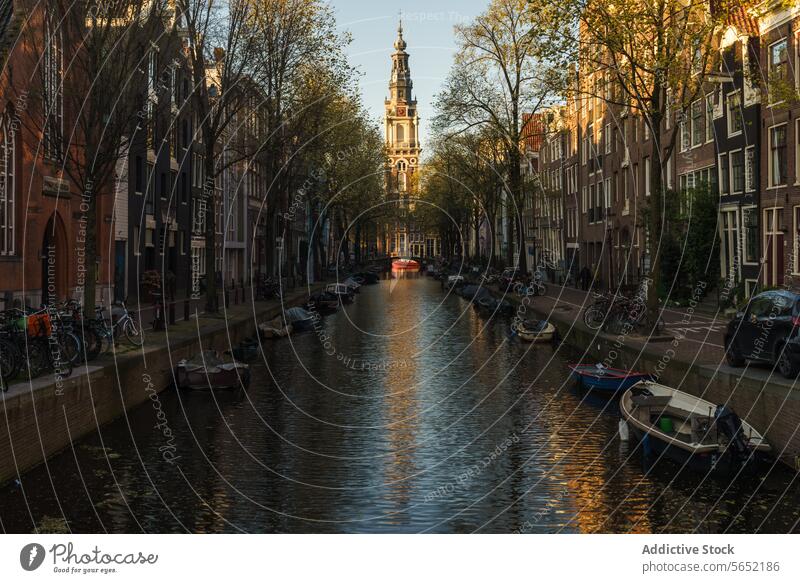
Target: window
[[668, 171], [750, 222], [8, 190], [778, 61], [750, 168], [647, 170], [685, 136], [735, 117], [608, 135], [796, 242], [709, 117], [737, 171], [724, 174], [777, 155], [698, 124], [136, 244], [53, 98], [584, 200]]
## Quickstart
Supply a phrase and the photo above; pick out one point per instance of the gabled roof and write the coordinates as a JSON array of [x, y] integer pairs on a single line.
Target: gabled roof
[[744, 22]]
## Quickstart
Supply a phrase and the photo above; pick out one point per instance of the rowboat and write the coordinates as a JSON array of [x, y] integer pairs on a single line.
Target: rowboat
[[300, 319], [690, 430], [534, 330], [405, 264], [207, 371], [341, 291], [597, 377]]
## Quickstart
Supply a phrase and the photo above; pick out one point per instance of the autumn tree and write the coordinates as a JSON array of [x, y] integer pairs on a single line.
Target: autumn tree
[[502, 70], [654, 58]]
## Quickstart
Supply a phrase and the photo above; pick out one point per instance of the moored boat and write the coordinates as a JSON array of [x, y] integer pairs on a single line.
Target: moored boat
[[597, 377], [405, 264], [301, 320], [207, 371], [690, 430], [275, 328], [323, 302], [341, 291], [534, 330]]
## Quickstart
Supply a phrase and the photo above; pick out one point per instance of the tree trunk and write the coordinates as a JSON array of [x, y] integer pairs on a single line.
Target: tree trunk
[[210, 196], [656, 228], [90, 257]]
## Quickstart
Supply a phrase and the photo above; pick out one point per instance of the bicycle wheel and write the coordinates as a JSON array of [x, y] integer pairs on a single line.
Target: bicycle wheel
[[133, 332], [593, 317], [71, 348], [10, 362], [38, 357]]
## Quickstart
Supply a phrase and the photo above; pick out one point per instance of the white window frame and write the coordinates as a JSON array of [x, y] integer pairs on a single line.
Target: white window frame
[[730, 171], [750, 174], [769, 64], [753, 208], [729, 116], [769, 156], [720, 173]]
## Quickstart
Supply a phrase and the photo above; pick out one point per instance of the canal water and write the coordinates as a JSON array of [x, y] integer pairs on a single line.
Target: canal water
[[408, 411]]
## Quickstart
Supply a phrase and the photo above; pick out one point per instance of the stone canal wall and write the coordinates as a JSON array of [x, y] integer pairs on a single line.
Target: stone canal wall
[[769, 402], [39, 419]]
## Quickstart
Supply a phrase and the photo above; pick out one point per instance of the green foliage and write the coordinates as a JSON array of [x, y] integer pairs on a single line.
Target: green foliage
[[689, 245]]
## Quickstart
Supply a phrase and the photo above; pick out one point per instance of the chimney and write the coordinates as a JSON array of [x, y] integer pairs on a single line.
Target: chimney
[[219, 54]]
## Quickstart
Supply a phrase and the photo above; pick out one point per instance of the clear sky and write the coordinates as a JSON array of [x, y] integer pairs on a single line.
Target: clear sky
[[428, 30]]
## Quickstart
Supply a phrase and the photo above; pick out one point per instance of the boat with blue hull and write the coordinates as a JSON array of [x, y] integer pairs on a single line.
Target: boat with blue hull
[[596, 377]]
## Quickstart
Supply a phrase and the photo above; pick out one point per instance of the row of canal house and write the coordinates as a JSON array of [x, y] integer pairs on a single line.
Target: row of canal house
[[740, 138], [152, 224]]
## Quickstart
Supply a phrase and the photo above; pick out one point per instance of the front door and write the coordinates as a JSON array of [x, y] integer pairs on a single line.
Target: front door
[[773, 247], [729, 249]]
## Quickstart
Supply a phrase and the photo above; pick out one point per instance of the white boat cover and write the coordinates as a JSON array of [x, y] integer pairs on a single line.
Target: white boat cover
[[209, 361]]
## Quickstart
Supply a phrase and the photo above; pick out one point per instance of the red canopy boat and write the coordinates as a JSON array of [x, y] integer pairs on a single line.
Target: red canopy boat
[[405, 264]]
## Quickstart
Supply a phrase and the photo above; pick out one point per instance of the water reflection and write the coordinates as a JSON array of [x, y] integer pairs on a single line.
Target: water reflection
[[408, 411]]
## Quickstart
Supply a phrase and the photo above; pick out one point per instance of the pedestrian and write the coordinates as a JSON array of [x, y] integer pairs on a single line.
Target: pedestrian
[[586, 275]]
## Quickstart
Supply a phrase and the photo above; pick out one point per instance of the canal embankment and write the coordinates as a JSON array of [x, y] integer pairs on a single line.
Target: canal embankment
[[758, 394], [43, 416]]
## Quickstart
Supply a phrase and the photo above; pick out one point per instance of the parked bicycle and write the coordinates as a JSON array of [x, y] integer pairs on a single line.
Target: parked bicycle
[[121, 323]]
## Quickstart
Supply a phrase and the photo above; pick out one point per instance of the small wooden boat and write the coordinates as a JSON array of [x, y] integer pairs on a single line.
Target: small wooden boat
[[341, 291], [353, 285], [275, 328], [207, 371], [597, 377], [454, 281], [301, 320], [323, 302], [534, 330], [405, 264], [690, 430], [366, 277]]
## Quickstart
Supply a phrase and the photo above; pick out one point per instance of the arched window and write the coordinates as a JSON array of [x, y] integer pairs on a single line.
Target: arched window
[[53, 73], [401, 134], [8, 175]]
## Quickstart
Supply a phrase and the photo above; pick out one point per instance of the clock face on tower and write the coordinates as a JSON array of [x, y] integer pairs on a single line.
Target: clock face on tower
[[401, 111]]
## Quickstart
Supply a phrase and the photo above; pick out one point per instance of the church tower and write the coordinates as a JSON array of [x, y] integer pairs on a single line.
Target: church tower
[[401, 127], [401, 123]]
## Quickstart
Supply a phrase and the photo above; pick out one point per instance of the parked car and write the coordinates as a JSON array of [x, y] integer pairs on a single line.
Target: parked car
[[765, 330]]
